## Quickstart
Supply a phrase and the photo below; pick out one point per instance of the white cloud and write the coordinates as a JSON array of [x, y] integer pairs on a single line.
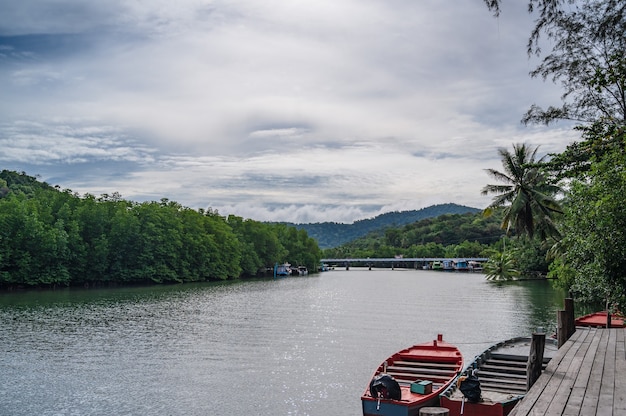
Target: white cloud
[[332, 110]]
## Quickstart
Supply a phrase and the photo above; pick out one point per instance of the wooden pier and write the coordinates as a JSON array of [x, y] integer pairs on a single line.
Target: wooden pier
[[586, 377]]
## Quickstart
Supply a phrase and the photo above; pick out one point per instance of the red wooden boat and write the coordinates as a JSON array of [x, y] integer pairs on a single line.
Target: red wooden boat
[[411, 379], [599, 319], [501, 371]]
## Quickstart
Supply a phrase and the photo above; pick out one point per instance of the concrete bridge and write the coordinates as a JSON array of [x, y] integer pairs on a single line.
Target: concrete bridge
[[447, 262]]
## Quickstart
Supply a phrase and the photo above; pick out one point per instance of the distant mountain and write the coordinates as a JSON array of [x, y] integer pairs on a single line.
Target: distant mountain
[[332, 234]]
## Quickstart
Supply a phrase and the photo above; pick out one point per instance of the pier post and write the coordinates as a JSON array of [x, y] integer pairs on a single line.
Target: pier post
[[571, 321], [535, 358], [561, 328], [434, 411]]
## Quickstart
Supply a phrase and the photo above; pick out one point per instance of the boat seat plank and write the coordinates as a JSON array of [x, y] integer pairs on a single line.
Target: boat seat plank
[[510, 390], [487, 374], [408, 383], [414, 363], [436, 371], [504, 370], [502, 384], [416, 376], [508, 357], [501, 381], [506, 363]]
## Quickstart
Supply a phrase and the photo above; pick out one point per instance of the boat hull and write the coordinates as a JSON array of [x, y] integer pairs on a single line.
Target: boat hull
[[393, 408], [501, 370], [456, 407], [422, 372], [598, 320]]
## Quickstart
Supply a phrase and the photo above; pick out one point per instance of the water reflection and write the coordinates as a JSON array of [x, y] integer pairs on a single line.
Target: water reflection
[[300, 346]]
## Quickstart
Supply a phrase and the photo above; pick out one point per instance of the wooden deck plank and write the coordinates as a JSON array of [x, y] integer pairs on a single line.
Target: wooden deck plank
[[592, 394], [558, 378], [582, 379], [607, 384], [619, 399], [607, 388], [562, 396], [586, 377], [556, 394], [563, 355]]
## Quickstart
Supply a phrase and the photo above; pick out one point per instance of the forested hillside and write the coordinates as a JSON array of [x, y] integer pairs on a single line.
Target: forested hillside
[[50, 237], [448, 235], [332, 234]]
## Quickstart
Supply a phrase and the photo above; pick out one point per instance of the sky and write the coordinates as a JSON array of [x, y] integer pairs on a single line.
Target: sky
[[274, 110]]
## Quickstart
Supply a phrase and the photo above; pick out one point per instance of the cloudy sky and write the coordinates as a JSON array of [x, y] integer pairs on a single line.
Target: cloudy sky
[[286, 110]]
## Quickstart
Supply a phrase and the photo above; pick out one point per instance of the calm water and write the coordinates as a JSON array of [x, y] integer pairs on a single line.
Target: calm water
[[296, 346]]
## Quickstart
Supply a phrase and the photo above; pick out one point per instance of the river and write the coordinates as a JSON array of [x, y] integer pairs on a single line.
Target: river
[[293, 346]]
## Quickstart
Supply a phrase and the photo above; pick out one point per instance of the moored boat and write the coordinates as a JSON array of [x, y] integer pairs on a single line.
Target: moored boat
[[437, 265], [599, 319], [411, 379], [282, 270], [447, 265], [460, 265], [475, 266], [502, 375]]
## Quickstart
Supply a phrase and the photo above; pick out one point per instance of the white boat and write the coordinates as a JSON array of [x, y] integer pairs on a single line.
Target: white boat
[[282, 270]]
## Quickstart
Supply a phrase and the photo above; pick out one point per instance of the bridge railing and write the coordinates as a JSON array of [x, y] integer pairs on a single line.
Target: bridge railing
[[402, 259]]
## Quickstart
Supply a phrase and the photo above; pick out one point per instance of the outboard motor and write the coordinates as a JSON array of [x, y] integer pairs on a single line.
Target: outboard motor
[[470, 387], [384, 386]]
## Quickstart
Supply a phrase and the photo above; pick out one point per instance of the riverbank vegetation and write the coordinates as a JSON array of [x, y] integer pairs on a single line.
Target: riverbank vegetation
[[50, 237], [448, 236], [585, 229]]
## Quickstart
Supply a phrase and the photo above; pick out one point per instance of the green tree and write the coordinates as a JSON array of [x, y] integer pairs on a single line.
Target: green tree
[[592, 260], [51, 237], [588, 42], [225, 258], [261, 244], [526, 196], [33, 252], [549, 12]]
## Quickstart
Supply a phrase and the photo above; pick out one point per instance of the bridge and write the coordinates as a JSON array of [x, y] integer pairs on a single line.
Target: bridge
[[447, 262]]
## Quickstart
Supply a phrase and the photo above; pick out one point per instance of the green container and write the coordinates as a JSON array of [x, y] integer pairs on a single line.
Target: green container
[[422, 387]]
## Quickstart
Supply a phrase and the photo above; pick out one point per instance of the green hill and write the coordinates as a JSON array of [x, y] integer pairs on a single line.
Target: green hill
[[332, 234]]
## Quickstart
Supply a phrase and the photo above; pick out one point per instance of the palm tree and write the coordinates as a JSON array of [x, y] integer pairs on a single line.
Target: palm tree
[[527, 197], [501, 266]]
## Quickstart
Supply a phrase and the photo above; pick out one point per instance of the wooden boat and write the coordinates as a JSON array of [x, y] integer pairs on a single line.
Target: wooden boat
[[411, 379], [599, 319], [501, 370]]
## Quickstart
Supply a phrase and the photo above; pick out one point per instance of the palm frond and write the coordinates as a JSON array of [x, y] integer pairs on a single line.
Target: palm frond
[[527, 197]]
